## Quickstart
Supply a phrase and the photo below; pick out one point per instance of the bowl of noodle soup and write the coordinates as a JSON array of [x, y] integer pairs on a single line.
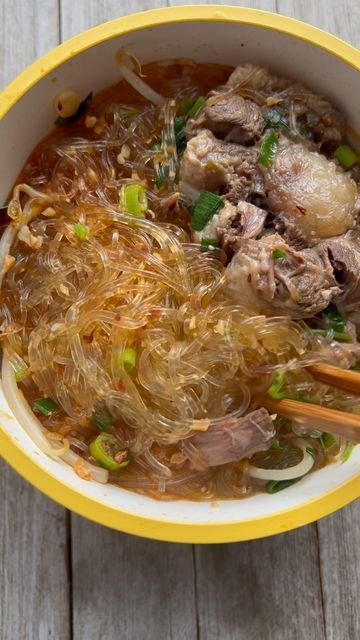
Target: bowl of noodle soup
[[130, 366]]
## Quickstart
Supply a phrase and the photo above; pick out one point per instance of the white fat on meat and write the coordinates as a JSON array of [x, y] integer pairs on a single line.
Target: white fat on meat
[[311, 191]]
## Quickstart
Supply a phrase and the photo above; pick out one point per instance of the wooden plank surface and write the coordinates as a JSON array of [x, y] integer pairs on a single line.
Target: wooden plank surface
[[129, 588], [34, 587], [303, 585]]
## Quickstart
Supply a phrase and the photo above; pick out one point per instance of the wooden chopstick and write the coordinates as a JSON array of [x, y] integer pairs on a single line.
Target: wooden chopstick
[[341, 423], [344, 379]]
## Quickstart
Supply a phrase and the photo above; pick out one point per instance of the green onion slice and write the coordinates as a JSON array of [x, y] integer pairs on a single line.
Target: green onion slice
[[278, 253], [127, 360], [273, 486], [81, 230], [102, 421], [21, 369], [268, 148], [346, 156], [107, 450], [196, 106], [207, 205], [45, 406], [337, 335], [274, 390], [133, 200]]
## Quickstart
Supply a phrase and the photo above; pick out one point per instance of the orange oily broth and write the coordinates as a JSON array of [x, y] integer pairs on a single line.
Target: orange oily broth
[[224, 482]]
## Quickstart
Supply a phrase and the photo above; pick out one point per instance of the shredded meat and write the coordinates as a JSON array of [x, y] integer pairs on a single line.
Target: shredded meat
[[343, 256], [211, 164], [231, 117], [300, 105], [299, 284], [235, 438], [234, 224]]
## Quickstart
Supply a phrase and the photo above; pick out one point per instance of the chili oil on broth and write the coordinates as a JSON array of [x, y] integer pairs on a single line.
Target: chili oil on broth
[[147, 473]]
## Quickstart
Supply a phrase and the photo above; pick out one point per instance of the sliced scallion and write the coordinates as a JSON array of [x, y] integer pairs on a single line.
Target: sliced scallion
[[346, 156], [336, 335], [311, 451], [268, 148], [208, 244], [274, 118], [207, 205], [102, 421], [21, 370], [278, 253], [45, 406], [274, 390], [133, 200], [127, 359], [196, 106], [276, 445], [273, 486], [81, 230]]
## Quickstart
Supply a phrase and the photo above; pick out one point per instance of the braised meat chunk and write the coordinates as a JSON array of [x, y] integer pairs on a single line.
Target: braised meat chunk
[[271, 276], [235, 438]]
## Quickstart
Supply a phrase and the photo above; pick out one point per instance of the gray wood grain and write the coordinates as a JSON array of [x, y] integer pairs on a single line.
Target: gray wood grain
[[340, 17], [78, 16], [339, 538], [130, 588], [34, 587], [261, 590], [27, 31]]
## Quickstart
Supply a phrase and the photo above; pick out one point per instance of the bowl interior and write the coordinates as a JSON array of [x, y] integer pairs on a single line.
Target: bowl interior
[[94, 68]]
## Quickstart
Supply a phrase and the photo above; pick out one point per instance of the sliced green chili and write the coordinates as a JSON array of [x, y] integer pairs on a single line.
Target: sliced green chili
[[328, 440], [45, 406], [107, 450], [133, 200]]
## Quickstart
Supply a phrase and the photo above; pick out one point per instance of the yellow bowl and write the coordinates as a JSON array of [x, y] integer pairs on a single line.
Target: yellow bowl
[[87, 62]]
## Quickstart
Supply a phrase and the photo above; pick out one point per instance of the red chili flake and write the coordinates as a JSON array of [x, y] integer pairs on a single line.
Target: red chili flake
[[88, 339], [301, 209], [117, 317], [121, 386]]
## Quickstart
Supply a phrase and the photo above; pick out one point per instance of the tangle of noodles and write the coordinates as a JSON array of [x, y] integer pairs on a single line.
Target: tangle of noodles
[[70, 307]]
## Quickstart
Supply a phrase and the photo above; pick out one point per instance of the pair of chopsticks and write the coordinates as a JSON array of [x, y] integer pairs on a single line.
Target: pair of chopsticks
[[341, 423]]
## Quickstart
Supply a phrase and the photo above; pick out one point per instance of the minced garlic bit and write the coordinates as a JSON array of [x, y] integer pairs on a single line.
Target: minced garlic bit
[[82, 470], [8, 263], [90, 121], [99, 127], [220, 327], [124, 154], [192, 323], [64, 289], [200, 425], [49, 212], [25, 235]]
